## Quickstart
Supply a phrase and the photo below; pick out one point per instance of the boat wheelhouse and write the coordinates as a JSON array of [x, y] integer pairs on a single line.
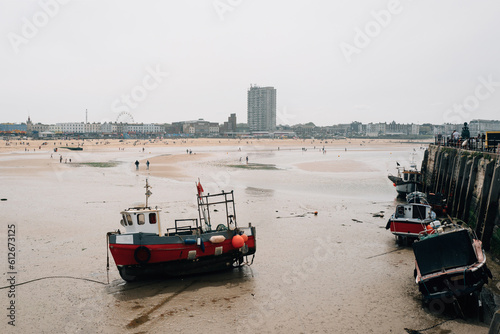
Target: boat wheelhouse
[[417, 197]]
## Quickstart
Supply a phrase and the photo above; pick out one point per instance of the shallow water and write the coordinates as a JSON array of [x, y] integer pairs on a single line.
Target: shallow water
[[336, 272]]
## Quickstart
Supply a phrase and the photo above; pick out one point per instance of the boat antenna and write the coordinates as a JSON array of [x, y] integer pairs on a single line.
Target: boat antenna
[[148, 192]]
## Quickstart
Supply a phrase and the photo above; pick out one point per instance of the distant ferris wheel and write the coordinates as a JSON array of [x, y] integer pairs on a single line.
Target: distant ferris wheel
[[125, 117]]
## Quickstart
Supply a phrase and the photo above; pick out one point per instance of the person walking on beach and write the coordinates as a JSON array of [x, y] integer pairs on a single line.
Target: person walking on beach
[[147, 164], [247, 159], [137, 165]]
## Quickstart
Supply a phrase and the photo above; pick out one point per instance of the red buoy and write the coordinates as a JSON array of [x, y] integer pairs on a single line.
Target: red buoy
[[245, 237], [237, 241], [429, 229]]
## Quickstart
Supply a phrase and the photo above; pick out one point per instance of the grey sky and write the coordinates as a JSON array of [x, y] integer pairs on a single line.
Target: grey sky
[[414, 61]]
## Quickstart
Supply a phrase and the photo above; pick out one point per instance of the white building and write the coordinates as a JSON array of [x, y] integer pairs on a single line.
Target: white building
[[56, 128], [72, 127], [92, 128], [261, 108], [144, 128], [415, 129], [375, 129], [109, 128]]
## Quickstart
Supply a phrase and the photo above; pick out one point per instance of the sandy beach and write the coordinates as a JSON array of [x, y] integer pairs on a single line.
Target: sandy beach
[[336, 272]]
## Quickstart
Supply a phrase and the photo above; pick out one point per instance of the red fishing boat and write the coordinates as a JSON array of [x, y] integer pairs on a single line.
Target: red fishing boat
[[190, 246], [409, 220]]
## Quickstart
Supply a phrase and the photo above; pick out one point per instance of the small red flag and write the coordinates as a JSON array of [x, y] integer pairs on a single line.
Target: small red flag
[[200, 189]]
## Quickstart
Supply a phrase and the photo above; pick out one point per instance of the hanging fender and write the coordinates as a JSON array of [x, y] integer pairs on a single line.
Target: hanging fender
[[142, 254]]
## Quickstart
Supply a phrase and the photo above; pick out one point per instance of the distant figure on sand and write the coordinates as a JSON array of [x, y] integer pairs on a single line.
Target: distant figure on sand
[[147, 164], [137, 165], [247, 159]]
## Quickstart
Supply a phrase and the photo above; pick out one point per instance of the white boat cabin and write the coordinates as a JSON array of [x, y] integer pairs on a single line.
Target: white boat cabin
[[141, 219], [411, 176], [414, 211]]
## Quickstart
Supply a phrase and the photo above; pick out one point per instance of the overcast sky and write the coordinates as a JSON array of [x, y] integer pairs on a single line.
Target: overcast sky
[[331, 61]]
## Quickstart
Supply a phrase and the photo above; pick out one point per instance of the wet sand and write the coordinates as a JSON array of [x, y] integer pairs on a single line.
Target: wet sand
[[337, 272]]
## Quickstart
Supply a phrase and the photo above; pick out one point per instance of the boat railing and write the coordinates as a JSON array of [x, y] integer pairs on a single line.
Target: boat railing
[[183, 229], [479, 143], [225, 199]]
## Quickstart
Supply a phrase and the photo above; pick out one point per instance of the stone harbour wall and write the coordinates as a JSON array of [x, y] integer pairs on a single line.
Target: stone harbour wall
[[470, 181]]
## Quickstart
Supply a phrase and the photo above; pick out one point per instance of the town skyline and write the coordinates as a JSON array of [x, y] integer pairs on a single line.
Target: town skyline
[[230, 128], [124, 120]]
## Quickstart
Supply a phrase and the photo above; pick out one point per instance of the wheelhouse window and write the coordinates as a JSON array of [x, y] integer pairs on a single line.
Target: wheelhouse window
[[140, 219], [152, 218], [128, 218]]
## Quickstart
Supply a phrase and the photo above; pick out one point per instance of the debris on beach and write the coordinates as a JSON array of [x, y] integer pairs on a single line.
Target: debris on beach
[[357, 221], [378, 214], [292, 215]]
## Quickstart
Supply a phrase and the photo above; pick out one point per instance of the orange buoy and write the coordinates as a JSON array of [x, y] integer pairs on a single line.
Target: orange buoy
[[245, 237], [237, 241], [429, 229]]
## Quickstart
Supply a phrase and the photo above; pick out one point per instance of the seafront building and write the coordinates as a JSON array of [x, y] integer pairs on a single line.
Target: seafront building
[[261, 108]]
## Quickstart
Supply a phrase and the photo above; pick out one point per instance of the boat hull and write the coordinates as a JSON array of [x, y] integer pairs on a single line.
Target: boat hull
[[176, 268], [407, 227], [453, 283], [404, 188], [142, 255]]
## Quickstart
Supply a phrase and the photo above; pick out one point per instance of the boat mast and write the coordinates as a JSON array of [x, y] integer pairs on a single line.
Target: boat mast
[[148, 192]]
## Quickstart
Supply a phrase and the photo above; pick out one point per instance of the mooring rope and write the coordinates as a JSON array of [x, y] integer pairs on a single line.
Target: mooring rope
[[50, 277], [414, 331]]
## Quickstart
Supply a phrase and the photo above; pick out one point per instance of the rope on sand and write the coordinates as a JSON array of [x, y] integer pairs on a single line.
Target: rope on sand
[[413, 331], [50, 277]]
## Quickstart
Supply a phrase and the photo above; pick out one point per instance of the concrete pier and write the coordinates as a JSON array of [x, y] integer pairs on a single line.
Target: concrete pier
[[470, 181]]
